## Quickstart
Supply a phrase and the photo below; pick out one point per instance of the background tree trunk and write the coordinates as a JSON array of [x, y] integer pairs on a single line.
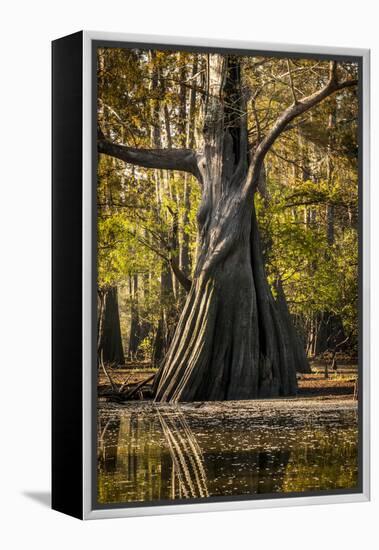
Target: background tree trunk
[[185, 259], [111, 341], [135, 328], [295, 353], [330, 327]]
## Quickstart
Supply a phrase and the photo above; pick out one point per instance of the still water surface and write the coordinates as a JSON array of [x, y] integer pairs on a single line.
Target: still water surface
[[148, 452]]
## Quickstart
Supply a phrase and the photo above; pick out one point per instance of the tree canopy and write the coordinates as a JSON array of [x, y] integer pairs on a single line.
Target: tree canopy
[[302, 156]]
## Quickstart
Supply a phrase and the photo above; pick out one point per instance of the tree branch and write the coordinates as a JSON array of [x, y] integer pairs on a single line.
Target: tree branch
[[291, 82], [172, 262], [183, 160], [287, 116], [180, 275]]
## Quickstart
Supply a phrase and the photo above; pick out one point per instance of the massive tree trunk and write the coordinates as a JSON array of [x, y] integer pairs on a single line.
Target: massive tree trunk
[[111, 341], [231, 342]]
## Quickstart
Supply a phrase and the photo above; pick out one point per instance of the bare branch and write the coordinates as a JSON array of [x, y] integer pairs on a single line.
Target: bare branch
[[139, 386], [183, 160], [180, 275], [172, 262], [291, 81], [256, 121], [288, 116], [291, 161]]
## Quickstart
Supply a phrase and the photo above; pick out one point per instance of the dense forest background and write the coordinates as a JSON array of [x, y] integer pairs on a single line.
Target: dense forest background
[[306, 202]]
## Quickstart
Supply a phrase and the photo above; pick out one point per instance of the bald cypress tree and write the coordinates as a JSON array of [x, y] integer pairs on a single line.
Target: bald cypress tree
[[233, 341]]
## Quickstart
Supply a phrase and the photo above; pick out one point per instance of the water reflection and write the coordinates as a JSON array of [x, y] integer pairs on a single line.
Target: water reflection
[[188, 471], [148, 453]]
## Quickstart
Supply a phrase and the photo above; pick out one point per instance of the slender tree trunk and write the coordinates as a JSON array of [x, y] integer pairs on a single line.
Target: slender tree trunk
[[168, 317], [329, 177], [165, 328], [185, 261], [135, 328], [331, 331]]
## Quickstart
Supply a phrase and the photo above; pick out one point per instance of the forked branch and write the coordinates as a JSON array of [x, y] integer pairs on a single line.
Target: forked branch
[[287, 116]]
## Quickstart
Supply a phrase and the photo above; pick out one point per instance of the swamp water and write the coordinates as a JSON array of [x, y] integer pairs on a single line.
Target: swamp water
[[150, 452]]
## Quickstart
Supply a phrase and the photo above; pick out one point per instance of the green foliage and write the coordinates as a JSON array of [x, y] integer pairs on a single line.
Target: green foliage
[[318, 271], [307, 211]]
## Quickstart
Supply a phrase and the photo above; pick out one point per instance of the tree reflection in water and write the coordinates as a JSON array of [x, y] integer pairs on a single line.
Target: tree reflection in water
[[174, 452], [187, 459]]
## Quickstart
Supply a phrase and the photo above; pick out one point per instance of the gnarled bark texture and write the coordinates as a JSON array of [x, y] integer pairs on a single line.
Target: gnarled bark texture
[[231, 341]]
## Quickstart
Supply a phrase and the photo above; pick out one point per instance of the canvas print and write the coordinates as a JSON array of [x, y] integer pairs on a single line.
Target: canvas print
[[228, 231]]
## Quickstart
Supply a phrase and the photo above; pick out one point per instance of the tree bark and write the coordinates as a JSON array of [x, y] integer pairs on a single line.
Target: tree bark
[[111, 341], [231, 342]]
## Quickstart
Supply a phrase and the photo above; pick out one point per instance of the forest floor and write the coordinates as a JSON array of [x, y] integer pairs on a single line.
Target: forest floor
[[339, 383]]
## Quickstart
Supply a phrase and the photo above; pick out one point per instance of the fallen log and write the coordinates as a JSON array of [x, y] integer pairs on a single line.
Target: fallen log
[[134, 390]]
